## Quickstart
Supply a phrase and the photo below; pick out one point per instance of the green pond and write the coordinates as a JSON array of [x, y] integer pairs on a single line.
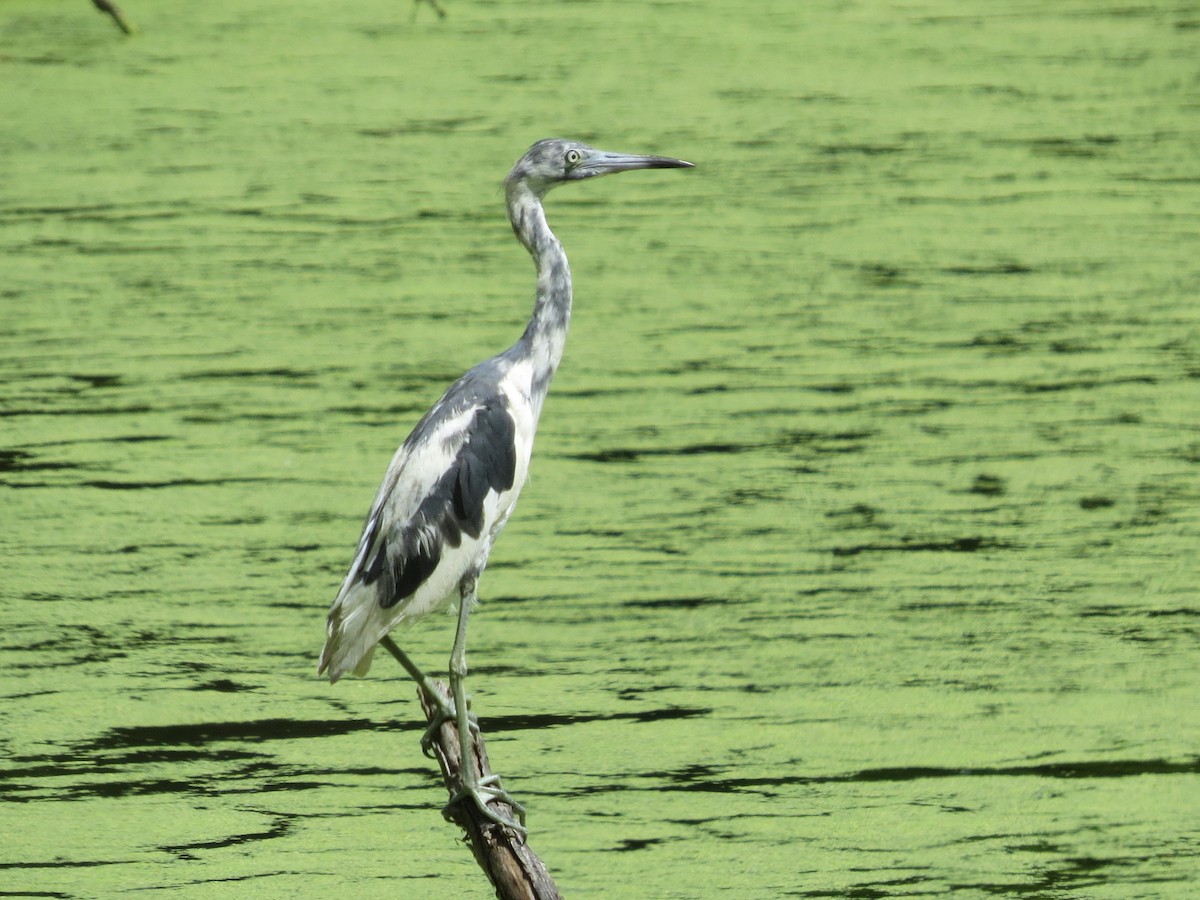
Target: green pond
[[858, 557]]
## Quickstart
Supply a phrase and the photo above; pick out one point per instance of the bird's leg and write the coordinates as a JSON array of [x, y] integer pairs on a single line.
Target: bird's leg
[[480, 790], [445, 711]]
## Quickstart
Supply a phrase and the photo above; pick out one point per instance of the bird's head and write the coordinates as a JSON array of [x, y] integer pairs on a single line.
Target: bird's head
[[552, 162]]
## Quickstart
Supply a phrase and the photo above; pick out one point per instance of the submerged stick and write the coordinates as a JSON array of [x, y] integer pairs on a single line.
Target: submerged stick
[[107, 6], [515, 871], [437, 7]]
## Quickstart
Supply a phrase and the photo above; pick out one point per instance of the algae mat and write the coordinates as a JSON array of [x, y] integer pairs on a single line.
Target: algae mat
[[858, 557]]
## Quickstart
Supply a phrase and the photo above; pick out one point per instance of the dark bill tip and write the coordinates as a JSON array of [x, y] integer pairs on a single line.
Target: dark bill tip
[[605, 163], [667, 162]]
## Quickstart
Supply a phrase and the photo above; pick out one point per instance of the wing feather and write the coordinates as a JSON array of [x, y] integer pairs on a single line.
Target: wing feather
[[433, 495]]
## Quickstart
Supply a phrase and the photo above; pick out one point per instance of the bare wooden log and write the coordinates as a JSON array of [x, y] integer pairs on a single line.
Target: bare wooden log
[[514, 869], [107, 6]]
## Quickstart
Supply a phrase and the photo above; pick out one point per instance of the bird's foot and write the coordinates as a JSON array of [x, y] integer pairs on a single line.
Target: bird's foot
[[488, 790], [443, 714]]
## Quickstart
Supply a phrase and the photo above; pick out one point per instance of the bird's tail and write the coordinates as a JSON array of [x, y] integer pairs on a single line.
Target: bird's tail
[[353, 629]]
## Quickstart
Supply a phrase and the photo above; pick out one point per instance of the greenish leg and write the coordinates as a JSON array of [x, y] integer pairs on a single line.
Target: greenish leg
[[480, 790], [445, 711]]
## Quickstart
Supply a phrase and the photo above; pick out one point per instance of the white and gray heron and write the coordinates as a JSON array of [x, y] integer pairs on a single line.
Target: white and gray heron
[[454, 481]]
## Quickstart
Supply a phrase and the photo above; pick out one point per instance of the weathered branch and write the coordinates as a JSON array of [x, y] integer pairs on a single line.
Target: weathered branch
[[107, 6], [514, 870], [437, 7]]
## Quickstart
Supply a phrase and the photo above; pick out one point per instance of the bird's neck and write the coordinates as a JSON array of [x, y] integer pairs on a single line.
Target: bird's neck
[[546, 335]]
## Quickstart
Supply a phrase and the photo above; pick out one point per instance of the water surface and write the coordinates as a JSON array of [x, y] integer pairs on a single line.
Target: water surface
[[858, 557]]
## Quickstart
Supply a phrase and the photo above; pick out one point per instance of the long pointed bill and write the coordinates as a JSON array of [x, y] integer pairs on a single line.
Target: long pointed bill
[[601, 163]]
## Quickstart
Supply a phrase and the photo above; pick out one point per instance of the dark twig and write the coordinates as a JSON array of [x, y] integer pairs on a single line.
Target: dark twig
[[514, 870], [437, 8], [107, 6]]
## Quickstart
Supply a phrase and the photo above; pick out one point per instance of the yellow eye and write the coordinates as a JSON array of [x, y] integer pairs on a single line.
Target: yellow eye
[[574, 157]]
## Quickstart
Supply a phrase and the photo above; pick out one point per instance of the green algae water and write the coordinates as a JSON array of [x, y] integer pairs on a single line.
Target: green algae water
[[858, 553]]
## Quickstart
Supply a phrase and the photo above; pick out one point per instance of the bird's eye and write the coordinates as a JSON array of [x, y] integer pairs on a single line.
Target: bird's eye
[[573, 157]]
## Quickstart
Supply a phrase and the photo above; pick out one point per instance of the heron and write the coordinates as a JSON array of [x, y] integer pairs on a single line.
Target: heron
[[453, 483]]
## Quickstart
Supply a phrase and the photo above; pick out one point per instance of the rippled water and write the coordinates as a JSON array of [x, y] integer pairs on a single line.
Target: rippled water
[[858, 558]]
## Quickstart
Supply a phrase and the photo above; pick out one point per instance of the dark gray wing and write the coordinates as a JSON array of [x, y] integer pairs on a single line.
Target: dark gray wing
[[485, 461]]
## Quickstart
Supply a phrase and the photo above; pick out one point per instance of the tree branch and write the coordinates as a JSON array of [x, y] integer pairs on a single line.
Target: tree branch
[[514, 870], [437, 7], [107, 6]]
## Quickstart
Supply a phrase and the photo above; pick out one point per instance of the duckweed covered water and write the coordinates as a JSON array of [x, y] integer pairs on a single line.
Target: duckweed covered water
[[858, 557]]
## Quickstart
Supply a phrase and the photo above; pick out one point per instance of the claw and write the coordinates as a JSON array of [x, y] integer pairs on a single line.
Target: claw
[[487, 791], [445, 713]]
